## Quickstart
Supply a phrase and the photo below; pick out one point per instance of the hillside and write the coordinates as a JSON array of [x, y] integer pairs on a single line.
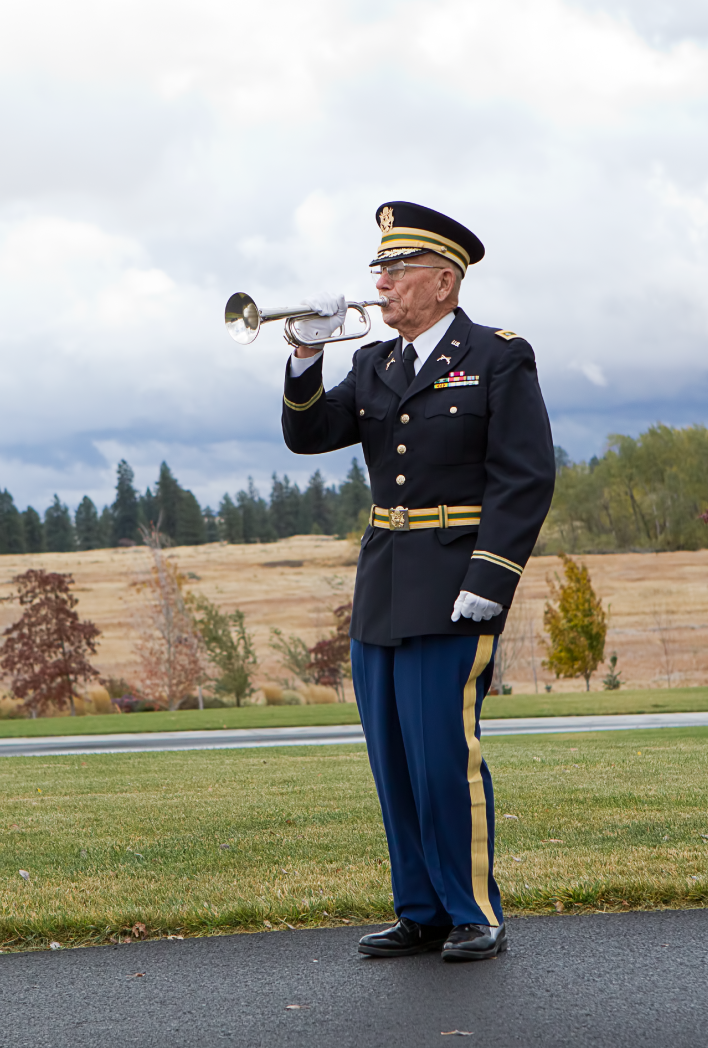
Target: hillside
[[658, 602]]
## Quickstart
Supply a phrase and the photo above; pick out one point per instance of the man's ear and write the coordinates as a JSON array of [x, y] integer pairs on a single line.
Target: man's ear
[[446, 285]]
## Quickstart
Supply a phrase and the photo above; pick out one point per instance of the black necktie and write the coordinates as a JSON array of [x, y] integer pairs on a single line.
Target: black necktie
[[409, 355]]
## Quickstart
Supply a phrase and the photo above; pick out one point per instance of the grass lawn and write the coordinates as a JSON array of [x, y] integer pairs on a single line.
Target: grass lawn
[[674, 700], [651, 701], [185, 720], [202, 842]]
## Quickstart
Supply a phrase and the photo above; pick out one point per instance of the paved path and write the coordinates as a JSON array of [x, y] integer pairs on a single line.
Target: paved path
[[635, 980], [239, 738]]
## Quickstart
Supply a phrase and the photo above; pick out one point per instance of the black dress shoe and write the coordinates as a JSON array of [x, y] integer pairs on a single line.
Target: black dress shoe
[[403, 939], [474, 942]]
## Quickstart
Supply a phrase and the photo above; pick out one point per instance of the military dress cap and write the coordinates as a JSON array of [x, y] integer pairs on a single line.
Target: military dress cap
[[410, 229]]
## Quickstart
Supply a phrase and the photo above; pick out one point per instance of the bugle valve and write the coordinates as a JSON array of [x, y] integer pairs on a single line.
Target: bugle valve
[[243, 320]]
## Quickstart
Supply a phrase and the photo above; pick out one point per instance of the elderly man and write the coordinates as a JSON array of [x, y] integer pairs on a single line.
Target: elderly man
[[458, 445]]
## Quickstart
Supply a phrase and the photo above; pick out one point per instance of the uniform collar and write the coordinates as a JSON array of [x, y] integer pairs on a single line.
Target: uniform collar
[[446, 354], [426, 342], [453, 344]]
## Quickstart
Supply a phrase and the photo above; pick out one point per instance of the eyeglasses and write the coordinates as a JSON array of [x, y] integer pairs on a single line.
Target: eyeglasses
[[397, 270]]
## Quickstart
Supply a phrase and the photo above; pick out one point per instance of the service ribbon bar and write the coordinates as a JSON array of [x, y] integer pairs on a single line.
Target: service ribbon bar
[[456, 378]]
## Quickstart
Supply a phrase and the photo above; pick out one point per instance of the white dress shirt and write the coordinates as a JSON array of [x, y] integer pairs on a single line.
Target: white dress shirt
[[424, 346]]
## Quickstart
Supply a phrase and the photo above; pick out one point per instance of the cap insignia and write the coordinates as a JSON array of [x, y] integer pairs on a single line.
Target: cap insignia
[[386, 219]]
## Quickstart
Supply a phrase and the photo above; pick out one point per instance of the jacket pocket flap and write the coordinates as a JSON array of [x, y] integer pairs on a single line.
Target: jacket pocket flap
[[466, 400], [448, 535], [373, 407]]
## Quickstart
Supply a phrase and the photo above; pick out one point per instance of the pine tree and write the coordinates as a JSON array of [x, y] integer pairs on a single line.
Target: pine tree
[[149, 509], [319, 505], [33, 531], [168, 493], [125, 507], [211, 526], [190, 521], [12, 537], [88, 532], [285, 507], [257, 526], [58, 528], [230, 521], [105, 528], [354, 496], [577, 626]]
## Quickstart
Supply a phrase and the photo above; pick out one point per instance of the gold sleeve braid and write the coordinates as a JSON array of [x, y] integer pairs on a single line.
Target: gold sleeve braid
[[308, 404]]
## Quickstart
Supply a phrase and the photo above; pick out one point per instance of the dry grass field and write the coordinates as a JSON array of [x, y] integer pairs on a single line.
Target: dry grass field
[[658, 603]]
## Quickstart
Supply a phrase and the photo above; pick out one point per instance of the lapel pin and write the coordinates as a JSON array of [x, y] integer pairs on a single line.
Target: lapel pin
[[389, 362], [443, 357], [454, 342]]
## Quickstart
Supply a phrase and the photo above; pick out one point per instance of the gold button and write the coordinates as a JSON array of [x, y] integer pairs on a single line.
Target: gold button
[[453, 410], [401, 449], [400, 479], [361, 411], [405, 418]]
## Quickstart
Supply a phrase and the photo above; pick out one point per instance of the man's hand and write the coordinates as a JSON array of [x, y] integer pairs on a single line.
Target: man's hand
[[474, 607], [332, 310]]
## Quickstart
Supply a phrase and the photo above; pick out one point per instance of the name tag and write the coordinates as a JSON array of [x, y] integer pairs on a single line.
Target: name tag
[[456, 378]]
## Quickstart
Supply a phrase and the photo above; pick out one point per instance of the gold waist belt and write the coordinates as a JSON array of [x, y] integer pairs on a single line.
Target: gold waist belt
[[400, 518]]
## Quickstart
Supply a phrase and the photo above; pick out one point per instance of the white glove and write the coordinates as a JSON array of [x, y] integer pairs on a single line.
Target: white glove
[[332, 310], [474, 607]]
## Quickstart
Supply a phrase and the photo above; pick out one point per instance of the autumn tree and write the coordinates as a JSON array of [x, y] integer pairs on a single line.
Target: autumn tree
[[329, 658], [45, 653], [576, 625], [229, 647], [170, 649]]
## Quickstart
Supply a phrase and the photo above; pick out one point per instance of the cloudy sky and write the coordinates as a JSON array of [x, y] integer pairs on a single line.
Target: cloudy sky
[[159, 156]]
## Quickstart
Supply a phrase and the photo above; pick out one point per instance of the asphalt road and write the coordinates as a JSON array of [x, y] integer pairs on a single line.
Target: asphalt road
[[635, 980], [240, 738]]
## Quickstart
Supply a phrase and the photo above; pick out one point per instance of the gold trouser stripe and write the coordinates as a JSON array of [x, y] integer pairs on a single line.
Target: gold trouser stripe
[[303, 407], [437, 517], [495, 558], [478, 801]]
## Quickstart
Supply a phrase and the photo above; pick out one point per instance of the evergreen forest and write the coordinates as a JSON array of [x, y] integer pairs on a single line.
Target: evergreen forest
[[644, 493], [243, 517]]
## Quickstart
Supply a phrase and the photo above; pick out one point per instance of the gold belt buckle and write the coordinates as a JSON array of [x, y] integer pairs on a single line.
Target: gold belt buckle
[[398, 519]]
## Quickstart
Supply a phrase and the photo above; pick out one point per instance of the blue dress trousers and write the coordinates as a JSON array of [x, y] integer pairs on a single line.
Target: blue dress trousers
[[420, 704]]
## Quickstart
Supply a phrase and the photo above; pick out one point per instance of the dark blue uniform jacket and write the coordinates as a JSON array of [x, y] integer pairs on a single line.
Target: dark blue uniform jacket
[[487, 442]]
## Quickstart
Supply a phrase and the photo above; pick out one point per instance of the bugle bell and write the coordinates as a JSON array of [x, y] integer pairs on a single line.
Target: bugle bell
[[243, 320]]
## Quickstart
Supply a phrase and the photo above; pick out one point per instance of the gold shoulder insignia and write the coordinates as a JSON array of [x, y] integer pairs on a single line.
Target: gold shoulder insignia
[[507, 335]]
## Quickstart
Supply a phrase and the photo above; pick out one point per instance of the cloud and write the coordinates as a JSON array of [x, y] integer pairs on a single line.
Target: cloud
[[592, 372], [160, 157]]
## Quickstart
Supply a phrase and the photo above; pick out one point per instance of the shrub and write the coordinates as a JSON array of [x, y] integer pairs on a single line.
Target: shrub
[[273, 694], [292, 698], [318, 693], [11, 709], [99, 699]]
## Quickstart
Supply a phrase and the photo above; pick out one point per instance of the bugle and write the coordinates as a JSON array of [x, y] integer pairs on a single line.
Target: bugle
[[243, 320]]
